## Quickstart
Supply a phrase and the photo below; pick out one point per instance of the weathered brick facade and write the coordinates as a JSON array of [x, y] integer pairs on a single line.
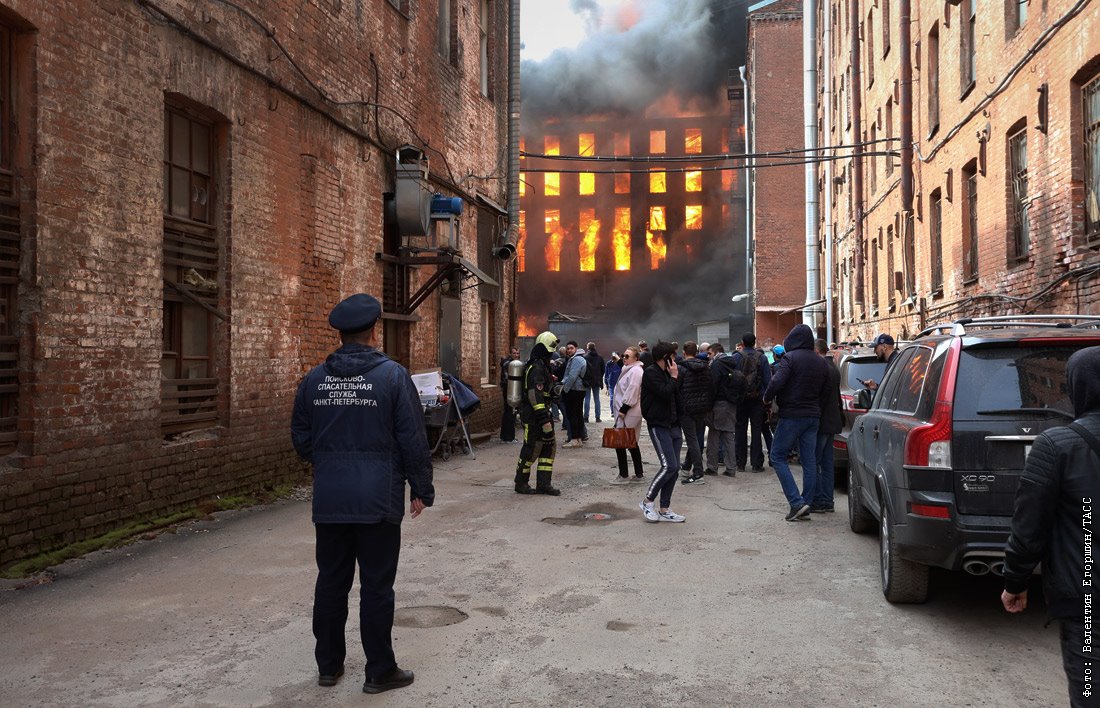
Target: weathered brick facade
[[297, 190], [774, 68], [1027, 81]]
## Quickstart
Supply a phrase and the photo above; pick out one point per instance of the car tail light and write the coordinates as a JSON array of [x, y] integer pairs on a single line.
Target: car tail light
[[933, 510], [847, 401], [929, 445], [839, 445]]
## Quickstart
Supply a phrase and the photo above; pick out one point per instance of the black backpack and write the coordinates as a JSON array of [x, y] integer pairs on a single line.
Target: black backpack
[[591, 373], [750, 367], [731, 382]]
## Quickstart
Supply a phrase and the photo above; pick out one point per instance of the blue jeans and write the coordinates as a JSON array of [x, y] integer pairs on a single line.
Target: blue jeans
[[667, 442], [788, 433], [592, 394], [825, 471]]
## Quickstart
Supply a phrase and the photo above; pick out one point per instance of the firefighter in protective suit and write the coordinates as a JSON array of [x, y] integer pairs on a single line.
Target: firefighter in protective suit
[[539, 389]]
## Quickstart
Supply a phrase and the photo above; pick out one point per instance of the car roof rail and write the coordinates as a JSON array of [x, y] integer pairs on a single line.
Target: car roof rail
[[961, 326]]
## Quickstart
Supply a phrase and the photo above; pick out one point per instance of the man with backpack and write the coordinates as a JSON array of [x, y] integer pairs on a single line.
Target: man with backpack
[[696, 401], [1053, 524], [729, 389], [753, 364]]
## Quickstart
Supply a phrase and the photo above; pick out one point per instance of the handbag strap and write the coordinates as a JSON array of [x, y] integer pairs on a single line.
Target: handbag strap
[[1091, 439]]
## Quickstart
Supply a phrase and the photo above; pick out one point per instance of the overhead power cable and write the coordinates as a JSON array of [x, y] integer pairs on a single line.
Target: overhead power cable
[[701, 158], [722, 168]]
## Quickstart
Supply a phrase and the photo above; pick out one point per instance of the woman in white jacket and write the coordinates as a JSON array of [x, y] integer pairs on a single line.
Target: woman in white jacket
[[628, 398]]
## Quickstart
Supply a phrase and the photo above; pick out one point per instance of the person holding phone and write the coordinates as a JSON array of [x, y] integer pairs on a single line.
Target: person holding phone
[[659, 408]]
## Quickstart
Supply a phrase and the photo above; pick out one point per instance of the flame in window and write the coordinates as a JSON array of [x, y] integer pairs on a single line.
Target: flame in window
[[622, 183], [693, 141], [523, 184], [590, 240], [587, 183], [622, 143], [552, 185], [729, 179], [528, 326], [554, 237], [693, 217], [521, 243], [620, 238], [586, 145], [657, 249], [657, 182], [657, 218], [656, 142], [693, 181], [551, 145]]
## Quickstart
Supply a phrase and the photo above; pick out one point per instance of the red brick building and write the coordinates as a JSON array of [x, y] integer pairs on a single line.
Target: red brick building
[[774, 70], [187, 188], [1005, 116]]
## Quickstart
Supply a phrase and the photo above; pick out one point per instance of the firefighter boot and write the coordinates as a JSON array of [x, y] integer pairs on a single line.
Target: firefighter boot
[[523, 485], [543, 484]]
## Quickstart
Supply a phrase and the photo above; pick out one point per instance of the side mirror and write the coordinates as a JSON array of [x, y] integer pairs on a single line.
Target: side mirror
[[864, 399]]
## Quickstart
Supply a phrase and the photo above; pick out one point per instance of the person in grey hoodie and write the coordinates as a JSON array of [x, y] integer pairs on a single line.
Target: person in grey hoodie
[[1053, 523], [797, 385]]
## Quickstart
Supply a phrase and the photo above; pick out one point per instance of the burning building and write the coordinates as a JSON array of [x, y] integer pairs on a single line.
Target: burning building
[[645, 237]]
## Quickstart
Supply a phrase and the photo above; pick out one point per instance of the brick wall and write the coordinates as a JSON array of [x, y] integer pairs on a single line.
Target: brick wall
[[1055, 166], [775, 93], [300, 190]]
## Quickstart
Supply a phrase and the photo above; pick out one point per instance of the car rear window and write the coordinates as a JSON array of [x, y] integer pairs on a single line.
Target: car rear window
[[1004, 378], [866, 370]]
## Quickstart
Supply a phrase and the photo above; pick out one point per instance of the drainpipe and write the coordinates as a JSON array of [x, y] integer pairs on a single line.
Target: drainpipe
[[827, 132], [857, 154], [906, 110], [750, 301], [809, 110], [507, 249]]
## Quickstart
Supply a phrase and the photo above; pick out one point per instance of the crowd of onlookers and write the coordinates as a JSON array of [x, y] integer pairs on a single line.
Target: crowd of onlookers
[[726, 408]]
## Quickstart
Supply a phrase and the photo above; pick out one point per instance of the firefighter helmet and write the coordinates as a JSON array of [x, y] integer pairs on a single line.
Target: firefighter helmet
[[548, 340]]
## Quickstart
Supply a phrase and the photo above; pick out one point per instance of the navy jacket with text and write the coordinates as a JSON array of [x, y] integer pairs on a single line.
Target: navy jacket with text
[[358, 420]]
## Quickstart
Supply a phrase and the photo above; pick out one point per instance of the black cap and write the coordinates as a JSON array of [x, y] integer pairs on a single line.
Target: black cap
[[884, 339], [355, 314]]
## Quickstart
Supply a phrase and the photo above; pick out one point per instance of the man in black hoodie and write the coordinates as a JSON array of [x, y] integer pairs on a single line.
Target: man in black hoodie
[[1052, 523], [697, 400], [797, 386]]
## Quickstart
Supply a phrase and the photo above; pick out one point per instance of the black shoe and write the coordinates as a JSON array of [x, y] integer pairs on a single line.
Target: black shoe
[[710, 471], [330, 679], [695, 479], [797, 512], [822, 509], [397, 678], [548, 490], [756, 469], [524, 489], [741, 469], [730, 473]]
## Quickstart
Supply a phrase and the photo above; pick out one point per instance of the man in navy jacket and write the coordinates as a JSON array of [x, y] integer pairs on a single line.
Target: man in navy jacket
[[358, 420], [797, 385]]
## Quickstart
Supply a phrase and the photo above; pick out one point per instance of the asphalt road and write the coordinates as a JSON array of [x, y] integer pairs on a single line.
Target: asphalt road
[[736, 607]]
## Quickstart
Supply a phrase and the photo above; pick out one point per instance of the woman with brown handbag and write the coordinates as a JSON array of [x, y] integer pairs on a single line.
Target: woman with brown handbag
[[628, 397]]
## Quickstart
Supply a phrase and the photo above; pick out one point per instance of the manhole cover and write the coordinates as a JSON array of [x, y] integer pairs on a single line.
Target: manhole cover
[[428, 616]]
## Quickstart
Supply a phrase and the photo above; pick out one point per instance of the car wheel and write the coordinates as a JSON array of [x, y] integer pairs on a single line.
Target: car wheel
[[902, 580], [859, 519]]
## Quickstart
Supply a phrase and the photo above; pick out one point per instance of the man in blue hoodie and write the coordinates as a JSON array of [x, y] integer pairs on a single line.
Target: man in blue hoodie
[[358, 420], [797, 386]]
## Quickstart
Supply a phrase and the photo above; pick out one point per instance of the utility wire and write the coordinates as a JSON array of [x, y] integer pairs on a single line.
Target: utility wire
[[702, 158], [675, 170]]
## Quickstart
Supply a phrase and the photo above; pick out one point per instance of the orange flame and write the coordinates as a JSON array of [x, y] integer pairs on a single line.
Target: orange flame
[[521, 243], [622, 183], [590, 241], [693, 181], [657, 218], [620, 238], [693, 141], [693, 216], [657, 182], [657, 249], [528, 326], [554, 237]]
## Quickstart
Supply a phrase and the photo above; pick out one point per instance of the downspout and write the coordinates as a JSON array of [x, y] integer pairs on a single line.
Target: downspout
[[809, 110], [906, 110], [507, 249], [750, 301], [854, 91], [827, 132]]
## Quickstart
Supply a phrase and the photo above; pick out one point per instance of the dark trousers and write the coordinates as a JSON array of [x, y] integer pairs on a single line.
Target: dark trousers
[[507, 418], [376, 547], [667, 442], [691, 425], [750, 410], [635, 456], [574, 410], [1074, 662]]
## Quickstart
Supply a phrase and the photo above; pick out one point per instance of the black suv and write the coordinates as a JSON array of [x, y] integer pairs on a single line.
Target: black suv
[[856, 365], [936, 459]]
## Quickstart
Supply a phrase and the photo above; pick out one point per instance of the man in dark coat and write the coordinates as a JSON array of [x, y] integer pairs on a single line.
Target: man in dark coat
[[596, 369], [832, 422], [1053, 523], [696, 400], [357, 419], [751, 362], [662, 417], [796, 386]]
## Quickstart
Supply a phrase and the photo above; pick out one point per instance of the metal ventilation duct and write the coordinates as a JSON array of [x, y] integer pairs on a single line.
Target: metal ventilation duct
[[412, 197]]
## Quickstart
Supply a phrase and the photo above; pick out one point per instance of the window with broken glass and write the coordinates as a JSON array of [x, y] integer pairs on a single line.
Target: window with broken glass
[[1017, 174]]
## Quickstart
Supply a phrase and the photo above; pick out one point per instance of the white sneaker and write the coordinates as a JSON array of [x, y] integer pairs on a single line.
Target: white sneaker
[[650, 513], [670, 515]]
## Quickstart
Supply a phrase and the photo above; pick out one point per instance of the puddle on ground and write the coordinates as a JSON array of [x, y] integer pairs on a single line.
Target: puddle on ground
[[428, 616], [591, 515]]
